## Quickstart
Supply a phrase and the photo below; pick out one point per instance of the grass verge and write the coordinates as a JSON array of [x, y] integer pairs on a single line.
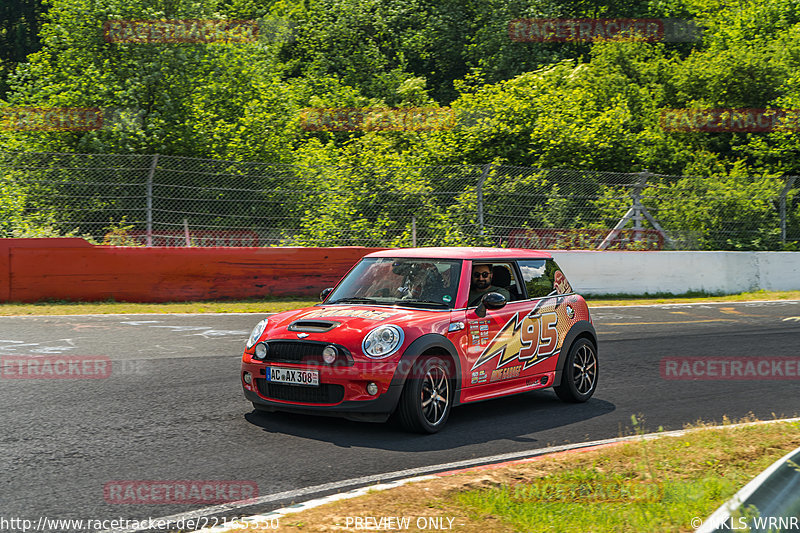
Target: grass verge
[[654, 485], [277, 304], [689, 297]]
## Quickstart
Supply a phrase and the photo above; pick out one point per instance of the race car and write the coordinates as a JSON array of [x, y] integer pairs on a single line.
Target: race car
[[419, 331]]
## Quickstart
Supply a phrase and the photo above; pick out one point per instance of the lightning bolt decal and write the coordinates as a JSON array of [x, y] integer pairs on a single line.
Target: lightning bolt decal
[[506, 343], [530, 339]]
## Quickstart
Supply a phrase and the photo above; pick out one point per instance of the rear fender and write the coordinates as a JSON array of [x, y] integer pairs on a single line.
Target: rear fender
[[582, 328]]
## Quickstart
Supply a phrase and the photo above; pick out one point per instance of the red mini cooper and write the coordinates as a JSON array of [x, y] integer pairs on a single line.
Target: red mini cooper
[[418, 331]]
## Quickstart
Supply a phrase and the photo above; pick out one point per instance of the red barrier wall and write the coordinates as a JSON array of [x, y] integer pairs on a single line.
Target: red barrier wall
[[72, 269]]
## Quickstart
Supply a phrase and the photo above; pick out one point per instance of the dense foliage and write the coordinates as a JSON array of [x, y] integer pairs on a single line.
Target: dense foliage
[[576, 105]]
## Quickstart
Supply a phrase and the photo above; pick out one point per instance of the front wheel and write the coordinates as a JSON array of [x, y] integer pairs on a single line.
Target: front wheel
[[579, 379], [427, 397]]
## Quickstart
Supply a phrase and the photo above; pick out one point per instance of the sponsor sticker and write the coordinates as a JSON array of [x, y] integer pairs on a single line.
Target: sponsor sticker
[[478, 376], [506, 373], [560, 283]]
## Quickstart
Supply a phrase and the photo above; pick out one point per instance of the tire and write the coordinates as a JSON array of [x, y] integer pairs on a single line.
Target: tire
[[427, 396], [579, 378]]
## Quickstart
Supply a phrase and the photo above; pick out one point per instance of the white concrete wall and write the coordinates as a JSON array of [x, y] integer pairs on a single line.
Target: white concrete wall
[[594, 272]]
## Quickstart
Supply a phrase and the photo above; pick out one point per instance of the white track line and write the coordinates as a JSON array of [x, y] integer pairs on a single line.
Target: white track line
[[400, 477]]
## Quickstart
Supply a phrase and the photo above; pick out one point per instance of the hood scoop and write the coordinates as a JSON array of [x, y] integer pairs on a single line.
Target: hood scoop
[[313, 326]]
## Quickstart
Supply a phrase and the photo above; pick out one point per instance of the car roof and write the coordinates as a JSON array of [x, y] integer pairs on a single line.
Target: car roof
[[463, 253]]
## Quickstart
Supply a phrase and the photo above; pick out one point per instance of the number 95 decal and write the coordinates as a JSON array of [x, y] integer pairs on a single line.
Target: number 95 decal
[[531, 340]]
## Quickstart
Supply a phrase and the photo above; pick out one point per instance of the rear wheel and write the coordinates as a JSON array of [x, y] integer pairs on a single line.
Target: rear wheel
[[427, 396], [579, 379]]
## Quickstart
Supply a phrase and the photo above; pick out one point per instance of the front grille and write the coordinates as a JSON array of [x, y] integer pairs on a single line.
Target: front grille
[[305, 352], [325, 393]]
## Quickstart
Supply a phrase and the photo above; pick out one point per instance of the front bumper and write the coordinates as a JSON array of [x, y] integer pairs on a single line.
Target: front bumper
[[341, 391]]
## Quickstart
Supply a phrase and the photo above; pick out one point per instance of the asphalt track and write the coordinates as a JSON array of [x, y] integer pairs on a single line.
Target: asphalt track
[[172, 408]]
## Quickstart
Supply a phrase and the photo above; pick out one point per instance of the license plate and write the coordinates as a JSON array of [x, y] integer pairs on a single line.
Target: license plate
[[293, 376]]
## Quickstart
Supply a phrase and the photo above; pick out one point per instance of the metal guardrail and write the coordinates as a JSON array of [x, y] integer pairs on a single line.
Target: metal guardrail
[[770, 502]]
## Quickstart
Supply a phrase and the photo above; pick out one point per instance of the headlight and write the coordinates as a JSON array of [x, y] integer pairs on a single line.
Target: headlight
[[257, 331], [329, 354], [260, 351], [382, 341]]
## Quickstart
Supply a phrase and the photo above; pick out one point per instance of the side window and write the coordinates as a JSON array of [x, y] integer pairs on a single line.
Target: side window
[[543, 277], [500, 275], [503, 276], [534, 274]]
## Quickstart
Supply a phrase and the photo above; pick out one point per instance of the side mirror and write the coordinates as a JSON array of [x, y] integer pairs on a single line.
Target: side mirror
[[324, 294], [492, 300]]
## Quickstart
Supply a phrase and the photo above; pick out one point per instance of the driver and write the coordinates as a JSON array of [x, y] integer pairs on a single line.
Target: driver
[[482, 284], [422, 281]]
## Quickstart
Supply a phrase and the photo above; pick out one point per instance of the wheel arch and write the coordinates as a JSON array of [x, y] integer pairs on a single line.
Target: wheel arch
[[428, 345], [583, 329]]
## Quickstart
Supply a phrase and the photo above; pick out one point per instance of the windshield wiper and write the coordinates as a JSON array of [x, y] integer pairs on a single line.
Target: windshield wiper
[[420, 303], [354, 300]]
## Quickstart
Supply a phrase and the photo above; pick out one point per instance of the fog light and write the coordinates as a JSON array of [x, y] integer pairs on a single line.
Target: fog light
[[372, 389], [248, 378], [261, 350], [329, 354]]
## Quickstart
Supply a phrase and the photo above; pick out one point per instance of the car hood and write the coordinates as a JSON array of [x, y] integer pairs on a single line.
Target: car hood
[[348, 324]]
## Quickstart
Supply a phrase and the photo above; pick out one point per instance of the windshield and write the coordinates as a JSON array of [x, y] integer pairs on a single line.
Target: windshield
[[430, 283]]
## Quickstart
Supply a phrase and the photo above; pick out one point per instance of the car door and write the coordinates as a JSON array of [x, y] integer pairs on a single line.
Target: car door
[[480, 332], [514, 348]]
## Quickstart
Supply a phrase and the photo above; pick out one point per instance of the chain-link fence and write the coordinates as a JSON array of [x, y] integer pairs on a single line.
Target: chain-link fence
[[163, 200]]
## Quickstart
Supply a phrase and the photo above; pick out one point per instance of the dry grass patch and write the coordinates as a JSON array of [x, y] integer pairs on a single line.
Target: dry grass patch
[[652, 485]]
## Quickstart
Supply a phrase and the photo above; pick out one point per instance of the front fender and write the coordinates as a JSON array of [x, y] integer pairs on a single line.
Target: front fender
[[426, 342]]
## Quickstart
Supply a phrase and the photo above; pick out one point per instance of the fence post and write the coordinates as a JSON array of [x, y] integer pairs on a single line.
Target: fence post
[[635, 213], [149, 208], [784, 192], [486, 169], [413, 231]]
